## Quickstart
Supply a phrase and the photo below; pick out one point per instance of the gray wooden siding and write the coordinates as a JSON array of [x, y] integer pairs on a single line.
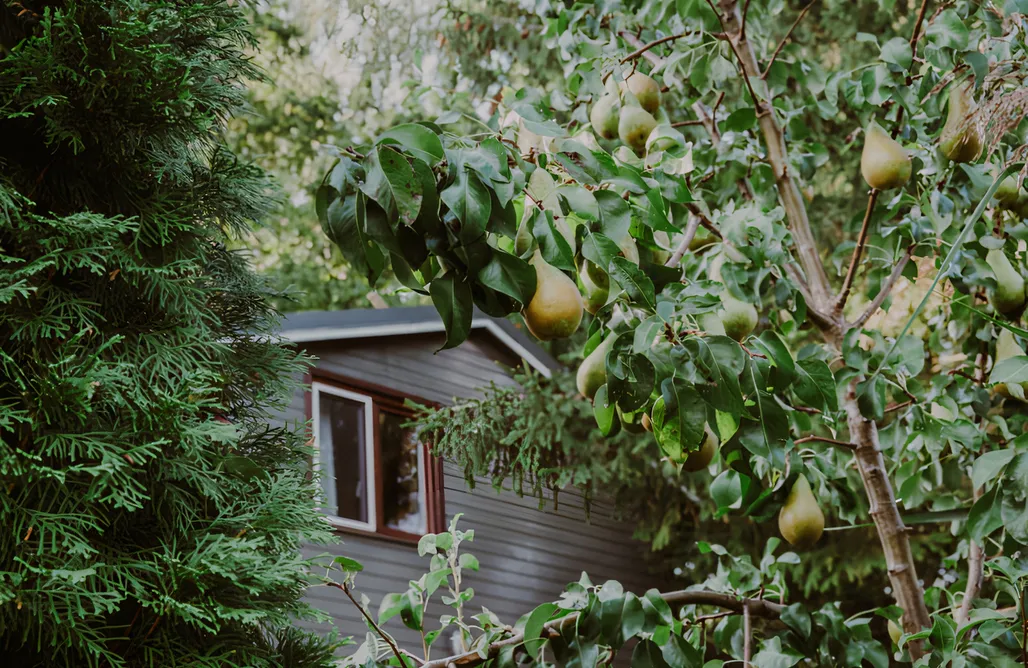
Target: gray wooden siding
[[527, 555]]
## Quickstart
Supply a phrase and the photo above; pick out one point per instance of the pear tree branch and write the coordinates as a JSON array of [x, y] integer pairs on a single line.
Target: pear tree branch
[[755, 606], [683, 245], [821, 439], [851, 273], [883, 293], [884, 511], [781, 45]]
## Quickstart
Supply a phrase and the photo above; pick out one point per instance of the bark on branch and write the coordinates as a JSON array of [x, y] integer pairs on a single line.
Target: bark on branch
[[883, 293], [756, 607]]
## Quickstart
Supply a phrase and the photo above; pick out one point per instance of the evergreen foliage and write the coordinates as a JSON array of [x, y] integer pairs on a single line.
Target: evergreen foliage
[[151, 514]]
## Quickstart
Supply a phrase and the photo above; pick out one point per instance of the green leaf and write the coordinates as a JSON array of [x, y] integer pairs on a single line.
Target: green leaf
[[348, 565], [637, 284], [1012, 370], [552, 244], [633, 618], [534, 627], [684, 411], [898, 52], [390, 181], [985, 516], [779, 357], [392, 605], [470, 201], [815, 385], [421, 142], [468, 561], [979, 63], [989, 465], [949, 31], [340, 222], [600, 250], [798, 619], [510, 275], [647, 654], [615, 215], [771, 655], [452, 299]]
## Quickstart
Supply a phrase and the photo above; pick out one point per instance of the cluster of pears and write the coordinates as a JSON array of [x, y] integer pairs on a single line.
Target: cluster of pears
[[885, 164], [628, 117]]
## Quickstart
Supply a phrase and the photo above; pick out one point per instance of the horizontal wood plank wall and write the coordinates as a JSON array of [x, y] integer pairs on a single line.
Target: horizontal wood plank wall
[[527, 555]]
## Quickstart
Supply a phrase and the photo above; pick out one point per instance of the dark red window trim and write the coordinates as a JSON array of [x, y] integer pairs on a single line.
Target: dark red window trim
[[391, 401]]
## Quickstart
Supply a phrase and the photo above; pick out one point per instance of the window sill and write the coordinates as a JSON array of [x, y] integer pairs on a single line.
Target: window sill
[[385, 534]]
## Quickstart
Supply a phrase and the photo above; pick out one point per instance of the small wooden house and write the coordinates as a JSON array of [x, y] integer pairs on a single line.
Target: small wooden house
[[383, 490]]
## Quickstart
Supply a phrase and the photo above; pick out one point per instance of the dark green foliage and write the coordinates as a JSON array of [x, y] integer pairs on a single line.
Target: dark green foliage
[[151, 515]]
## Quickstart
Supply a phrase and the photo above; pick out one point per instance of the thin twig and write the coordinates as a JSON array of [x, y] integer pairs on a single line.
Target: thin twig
[[684, 124], [851, 273], [747, 633], [382, 634], [895, 407], [742, 69], [690, 233], [822, 439], [975, 553], [781, 44], [914, 36], [742, 28], [883, 293], [657, 42]]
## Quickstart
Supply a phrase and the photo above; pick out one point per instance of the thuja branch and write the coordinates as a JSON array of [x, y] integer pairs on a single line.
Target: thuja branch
[[756, 607]]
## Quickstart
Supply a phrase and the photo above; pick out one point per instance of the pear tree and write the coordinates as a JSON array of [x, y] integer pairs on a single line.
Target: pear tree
[[674, 190]]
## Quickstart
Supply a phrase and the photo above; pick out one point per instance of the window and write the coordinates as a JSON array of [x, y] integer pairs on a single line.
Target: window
[[377, 475]]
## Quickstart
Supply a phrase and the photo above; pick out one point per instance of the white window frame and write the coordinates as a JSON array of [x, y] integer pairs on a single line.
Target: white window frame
[[371, 482], [370, 457]]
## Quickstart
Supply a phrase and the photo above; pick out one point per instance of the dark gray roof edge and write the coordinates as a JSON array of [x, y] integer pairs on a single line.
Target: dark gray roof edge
[[308, 326]]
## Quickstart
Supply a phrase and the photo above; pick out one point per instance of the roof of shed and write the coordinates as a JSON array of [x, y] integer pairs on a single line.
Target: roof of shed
[[307, 326]]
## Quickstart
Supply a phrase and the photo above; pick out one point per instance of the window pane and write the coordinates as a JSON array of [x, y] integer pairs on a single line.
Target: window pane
[[341, 435], [401, 475]]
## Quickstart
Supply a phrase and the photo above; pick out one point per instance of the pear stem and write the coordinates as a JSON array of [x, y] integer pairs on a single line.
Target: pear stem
[[822, 439]]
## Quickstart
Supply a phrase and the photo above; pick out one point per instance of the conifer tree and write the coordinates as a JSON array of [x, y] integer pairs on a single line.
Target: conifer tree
[[151, 513]]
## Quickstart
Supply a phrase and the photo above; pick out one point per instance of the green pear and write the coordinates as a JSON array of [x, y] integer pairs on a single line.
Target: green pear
[[645, 90], [592, 372], [1009, 295], [739, 318], [634, 127], [801, 520], [697, 460], [884, 164], [556, 308], [604, 116], [594, 293], [960, 141]]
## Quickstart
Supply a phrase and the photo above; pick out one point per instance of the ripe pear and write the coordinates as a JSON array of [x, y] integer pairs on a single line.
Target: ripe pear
[[634, 127], [592, 372], [801, 520], [884, 163], [895, 632], [594, 293], [960, 141], [556, 308], [1009, 294], [604, 116], [739, 318], [698, 460], [645, 90]]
